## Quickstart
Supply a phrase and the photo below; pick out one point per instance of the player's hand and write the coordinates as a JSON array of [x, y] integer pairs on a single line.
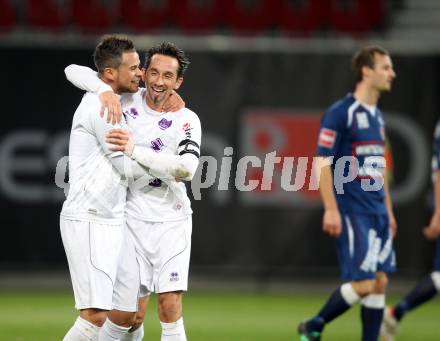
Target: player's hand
[[331, 222], [393, 223], [173, 103], [112, 105], [432, 231], [120, 140]]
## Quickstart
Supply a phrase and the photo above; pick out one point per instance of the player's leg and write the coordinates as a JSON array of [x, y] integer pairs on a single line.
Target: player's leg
[[136, 332], [171, 276], [425, 289], [83, 329], [170, 316], [372, 308], [125, 294], [352, 246], [382, 254], [93, 270]]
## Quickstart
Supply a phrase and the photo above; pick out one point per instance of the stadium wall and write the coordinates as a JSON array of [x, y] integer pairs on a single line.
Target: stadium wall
[[255, 103]]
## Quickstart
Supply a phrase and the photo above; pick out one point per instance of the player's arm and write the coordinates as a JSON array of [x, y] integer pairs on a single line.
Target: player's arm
[[181, 166], [432, 231], [333, 125], [331, 222], [87, 79], [123, 164], [388, 203]]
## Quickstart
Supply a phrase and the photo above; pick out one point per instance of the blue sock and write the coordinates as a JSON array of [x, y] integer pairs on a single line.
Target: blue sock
[[335, 306], [371, 321], [423, 291]]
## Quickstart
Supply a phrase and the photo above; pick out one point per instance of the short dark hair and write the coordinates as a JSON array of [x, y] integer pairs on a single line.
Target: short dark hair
[[171, 50], [108, 53], [365, 57]]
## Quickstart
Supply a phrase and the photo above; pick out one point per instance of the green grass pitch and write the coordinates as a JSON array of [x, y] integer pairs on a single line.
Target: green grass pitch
[[46, 316]]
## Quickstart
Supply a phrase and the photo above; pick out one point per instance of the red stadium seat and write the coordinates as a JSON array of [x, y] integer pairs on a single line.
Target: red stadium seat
[[89, 15], [190, 17], [45, 14], [361, 18], [7, 15], [250, 20], [139, 17], [306, 18]]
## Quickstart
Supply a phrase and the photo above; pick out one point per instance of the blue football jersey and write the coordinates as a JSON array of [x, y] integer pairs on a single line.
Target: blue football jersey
[[355, 135]]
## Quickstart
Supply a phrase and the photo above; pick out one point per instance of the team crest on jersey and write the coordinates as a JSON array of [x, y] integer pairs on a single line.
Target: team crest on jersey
[[132, 112], [362, 120], [164, 123], [157, 145], [327, 138], [187, 129]]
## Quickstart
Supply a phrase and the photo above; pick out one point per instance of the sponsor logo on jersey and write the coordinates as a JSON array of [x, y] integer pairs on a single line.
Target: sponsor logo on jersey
[[362, 120], [187, 129], [132, 112], [174, 277], [327, 138], [157, 145], [369, 149], [164, 123]]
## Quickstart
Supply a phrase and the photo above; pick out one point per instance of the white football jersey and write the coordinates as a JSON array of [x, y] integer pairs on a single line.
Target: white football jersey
[[96, 191], [172, 133]]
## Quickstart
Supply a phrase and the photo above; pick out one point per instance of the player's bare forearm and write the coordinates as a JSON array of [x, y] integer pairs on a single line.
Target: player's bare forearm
[[112, 106], [331, 222], [120, 140]]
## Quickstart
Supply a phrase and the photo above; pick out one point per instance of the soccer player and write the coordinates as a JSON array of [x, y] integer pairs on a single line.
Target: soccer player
[[357, 208], [158, 215], [428, 286], [101, 255]]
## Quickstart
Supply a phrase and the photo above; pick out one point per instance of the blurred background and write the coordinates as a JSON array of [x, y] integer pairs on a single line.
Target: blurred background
[[262, 73]]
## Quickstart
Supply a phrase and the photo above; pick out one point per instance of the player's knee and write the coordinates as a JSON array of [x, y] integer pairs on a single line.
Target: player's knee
[[363, 288], [139, 319], [94, 316], [122, 318], [381, 283], [170, 306]]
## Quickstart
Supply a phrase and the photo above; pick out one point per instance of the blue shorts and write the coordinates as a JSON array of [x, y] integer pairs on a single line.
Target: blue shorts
[[437, 255], [365, 246]]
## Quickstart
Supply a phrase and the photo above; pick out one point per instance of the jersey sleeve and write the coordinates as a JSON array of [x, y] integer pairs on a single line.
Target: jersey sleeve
[[184, 163], [189, 136], [86, 79], [123, 164], [333, 125]]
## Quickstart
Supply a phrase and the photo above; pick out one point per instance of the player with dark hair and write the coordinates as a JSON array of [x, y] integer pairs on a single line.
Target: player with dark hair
[[354, 191], [428, 287], [158, 213]]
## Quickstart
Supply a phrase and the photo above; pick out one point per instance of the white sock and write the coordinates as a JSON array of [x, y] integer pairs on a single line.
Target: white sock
[[135, 335], [174, 331], [350, 296], [82, 330], [374, 301], [111, 331]]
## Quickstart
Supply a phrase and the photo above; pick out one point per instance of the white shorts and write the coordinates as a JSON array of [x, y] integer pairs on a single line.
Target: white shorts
[[102, 263], [163, 250]]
